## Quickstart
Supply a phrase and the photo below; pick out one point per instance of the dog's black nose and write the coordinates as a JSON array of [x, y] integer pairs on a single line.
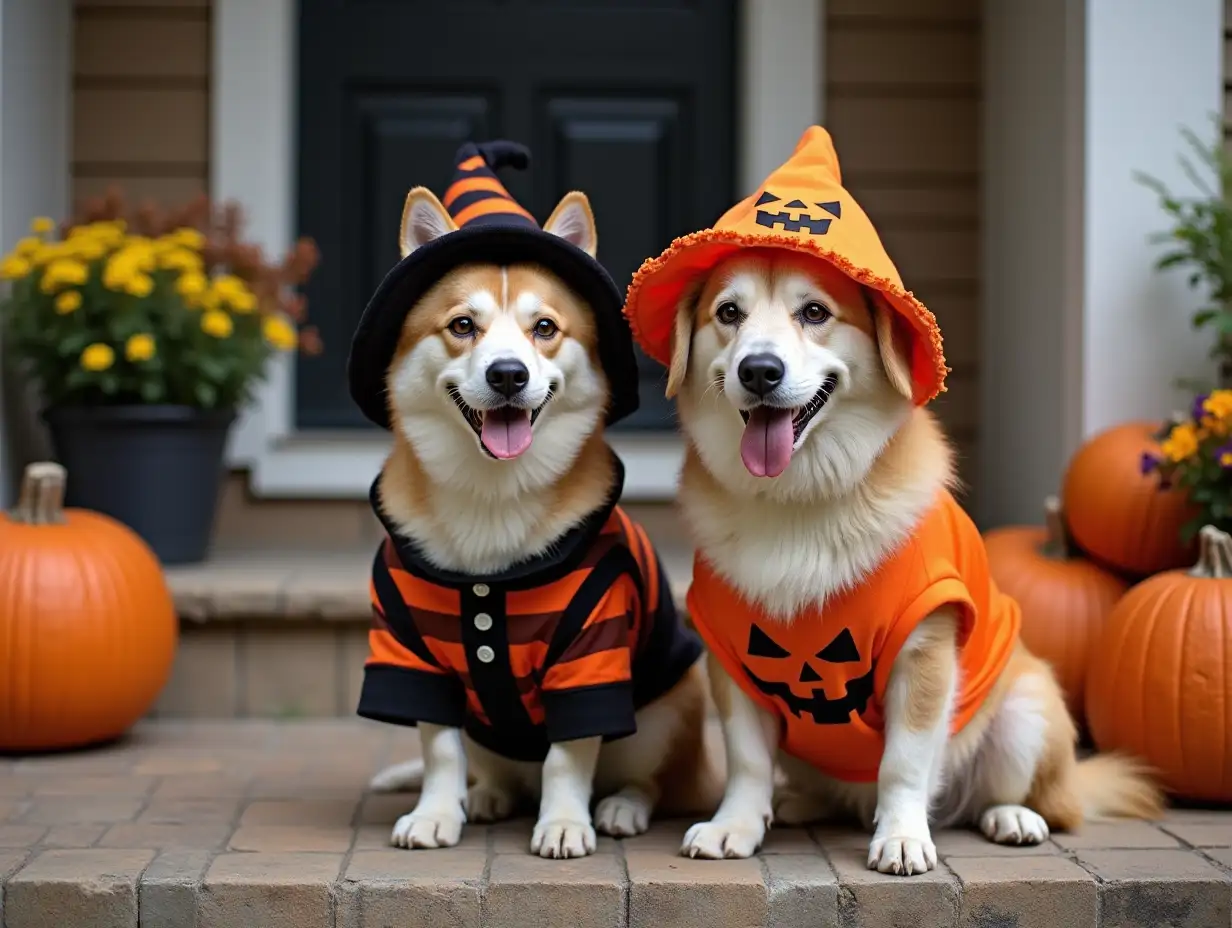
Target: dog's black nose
[[760, 374], [507, 377]]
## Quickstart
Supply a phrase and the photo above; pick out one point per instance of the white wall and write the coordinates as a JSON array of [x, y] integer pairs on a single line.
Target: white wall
[[1081, 332], [1151, 68], [35, 115]]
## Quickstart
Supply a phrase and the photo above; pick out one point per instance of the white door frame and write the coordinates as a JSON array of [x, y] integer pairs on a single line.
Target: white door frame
[[253, 160]]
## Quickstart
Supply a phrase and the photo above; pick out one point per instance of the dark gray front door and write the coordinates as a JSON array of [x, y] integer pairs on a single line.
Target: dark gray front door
[[631, 101]]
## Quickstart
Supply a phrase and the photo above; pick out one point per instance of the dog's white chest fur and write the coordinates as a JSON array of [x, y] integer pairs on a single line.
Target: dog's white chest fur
[[787, 557]]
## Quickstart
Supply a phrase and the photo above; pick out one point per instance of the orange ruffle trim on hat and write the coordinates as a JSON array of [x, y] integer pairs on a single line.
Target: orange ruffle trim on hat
[[652, 297]]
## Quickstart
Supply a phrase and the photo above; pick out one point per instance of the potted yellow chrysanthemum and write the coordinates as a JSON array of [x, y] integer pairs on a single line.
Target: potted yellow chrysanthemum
[[145, 334]]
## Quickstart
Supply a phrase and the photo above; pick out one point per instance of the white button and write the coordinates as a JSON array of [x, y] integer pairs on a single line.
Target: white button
[[485, 654], [483, 621], [480, 589]]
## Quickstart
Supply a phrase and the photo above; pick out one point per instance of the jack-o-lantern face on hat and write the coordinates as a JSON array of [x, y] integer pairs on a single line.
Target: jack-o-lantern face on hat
[[811, 700], [797, 216]]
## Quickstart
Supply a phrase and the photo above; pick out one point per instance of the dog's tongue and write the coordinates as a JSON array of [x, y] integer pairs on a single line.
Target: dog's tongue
[[506, 431], [766, 445]]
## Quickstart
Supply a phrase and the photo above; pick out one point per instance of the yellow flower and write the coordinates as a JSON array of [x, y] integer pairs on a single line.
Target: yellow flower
[[41, 225], [14, 267], [140, 285], [216, 323], [279, 333], [28, 246], [1181, 443], [87, 247], [68, 301], [191, 285], [234, 292], [64, 272], [97, 357], [139, 347], [187, 238], [179, 259]]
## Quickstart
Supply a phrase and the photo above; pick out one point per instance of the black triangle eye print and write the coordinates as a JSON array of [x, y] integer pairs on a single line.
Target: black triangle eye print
[[762, 645], [777, 680], [795, 216], [842, 650]]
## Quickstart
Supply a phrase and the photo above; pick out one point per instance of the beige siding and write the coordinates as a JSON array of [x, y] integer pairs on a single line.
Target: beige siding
[[141, 101], [902, 101]]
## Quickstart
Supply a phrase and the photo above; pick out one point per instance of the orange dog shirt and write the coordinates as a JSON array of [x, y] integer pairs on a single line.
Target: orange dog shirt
[[824, 674]]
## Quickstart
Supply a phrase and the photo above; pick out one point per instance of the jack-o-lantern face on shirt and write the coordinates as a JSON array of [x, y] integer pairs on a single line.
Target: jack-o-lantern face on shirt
[[785, 685], [796, 215]]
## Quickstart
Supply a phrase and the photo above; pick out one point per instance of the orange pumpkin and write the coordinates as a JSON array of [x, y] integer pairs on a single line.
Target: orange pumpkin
[[1118, 515], [1160, 681], [1065, 599], [88, 628]]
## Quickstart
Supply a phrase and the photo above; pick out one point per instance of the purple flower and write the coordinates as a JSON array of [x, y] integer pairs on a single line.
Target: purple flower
[[1150, 462], [1223, 455], [1198, 412]]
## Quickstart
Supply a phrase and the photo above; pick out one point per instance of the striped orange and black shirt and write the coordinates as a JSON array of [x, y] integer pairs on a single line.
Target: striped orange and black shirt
[[562, 646]]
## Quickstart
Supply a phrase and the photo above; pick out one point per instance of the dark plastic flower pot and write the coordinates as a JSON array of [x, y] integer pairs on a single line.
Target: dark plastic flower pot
[[157, 469]]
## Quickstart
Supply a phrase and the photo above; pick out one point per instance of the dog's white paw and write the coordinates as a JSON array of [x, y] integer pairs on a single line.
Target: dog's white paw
[[488, 803], [1013, 825], [718, 839], [902, 854], [562, 838], [435, 826], [623, 814]]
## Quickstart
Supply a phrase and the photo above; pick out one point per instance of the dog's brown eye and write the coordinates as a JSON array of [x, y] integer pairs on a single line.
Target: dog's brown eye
[[462, 326], [727, 313], [545, 328], [815, 313]]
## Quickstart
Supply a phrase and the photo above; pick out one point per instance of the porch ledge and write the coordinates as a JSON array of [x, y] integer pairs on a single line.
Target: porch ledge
[[329, 585]]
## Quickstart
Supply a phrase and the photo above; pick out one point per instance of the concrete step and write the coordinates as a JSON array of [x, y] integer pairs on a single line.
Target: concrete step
[[263, 824]]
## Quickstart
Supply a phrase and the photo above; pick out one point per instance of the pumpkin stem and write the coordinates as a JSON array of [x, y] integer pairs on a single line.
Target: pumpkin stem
[[42, 494], [1214, 554], [1056, 539]]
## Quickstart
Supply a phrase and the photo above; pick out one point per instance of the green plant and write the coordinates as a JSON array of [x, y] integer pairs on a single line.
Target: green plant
[[1201, 238], [145, 306]]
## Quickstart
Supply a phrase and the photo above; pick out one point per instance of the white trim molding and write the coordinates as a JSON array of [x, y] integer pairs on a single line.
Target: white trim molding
[[36, 113], [1080, 330], [253, 117]]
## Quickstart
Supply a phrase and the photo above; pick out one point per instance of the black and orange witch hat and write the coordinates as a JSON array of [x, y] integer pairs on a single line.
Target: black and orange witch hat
[[492, 228]]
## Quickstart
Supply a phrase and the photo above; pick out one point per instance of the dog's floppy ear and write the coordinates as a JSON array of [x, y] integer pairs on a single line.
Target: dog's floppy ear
[[682, 339], [424, 219], [893, 343], [573, 221]]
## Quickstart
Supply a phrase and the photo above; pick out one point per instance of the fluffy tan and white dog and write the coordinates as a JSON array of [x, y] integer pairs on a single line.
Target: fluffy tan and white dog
[[785, 367], [497, 398]]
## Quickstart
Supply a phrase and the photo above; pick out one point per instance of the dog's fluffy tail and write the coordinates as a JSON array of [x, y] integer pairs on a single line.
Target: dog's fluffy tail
[[399, 778], [1112, 786]]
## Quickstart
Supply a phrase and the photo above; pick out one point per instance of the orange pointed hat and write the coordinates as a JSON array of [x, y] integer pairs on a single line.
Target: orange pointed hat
[[802, 206]]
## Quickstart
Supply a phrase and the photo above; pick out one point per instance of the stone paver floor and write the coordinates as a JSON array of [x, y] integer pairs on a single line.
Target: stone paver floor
[[258, 824]]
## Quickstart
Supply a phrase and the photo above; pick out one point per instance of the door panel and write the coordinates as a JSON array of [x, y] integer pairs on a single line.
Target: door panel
[[615, 97]]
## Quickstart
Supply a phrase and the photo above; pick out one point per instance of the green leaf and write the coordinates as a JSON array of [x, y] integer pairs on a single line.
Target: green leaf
[[152, 391], [205, 394]]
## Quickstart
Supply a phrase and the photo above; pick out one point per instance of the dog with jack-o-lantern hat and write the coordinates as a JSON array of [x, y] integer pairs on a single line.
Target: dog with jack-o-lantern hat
[[853, 629]]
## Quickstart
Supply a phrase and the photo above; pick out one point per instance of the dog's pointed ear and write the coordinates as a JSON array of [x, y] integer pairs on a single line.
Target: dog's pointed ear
[[573, 221], [424, 219], [893, 344], [682, 338]]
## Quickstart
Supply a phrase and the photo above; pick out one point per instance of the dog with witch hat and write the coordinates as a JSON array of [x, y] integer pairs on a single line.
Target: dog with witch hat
[[855, 635], [520, 618]]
